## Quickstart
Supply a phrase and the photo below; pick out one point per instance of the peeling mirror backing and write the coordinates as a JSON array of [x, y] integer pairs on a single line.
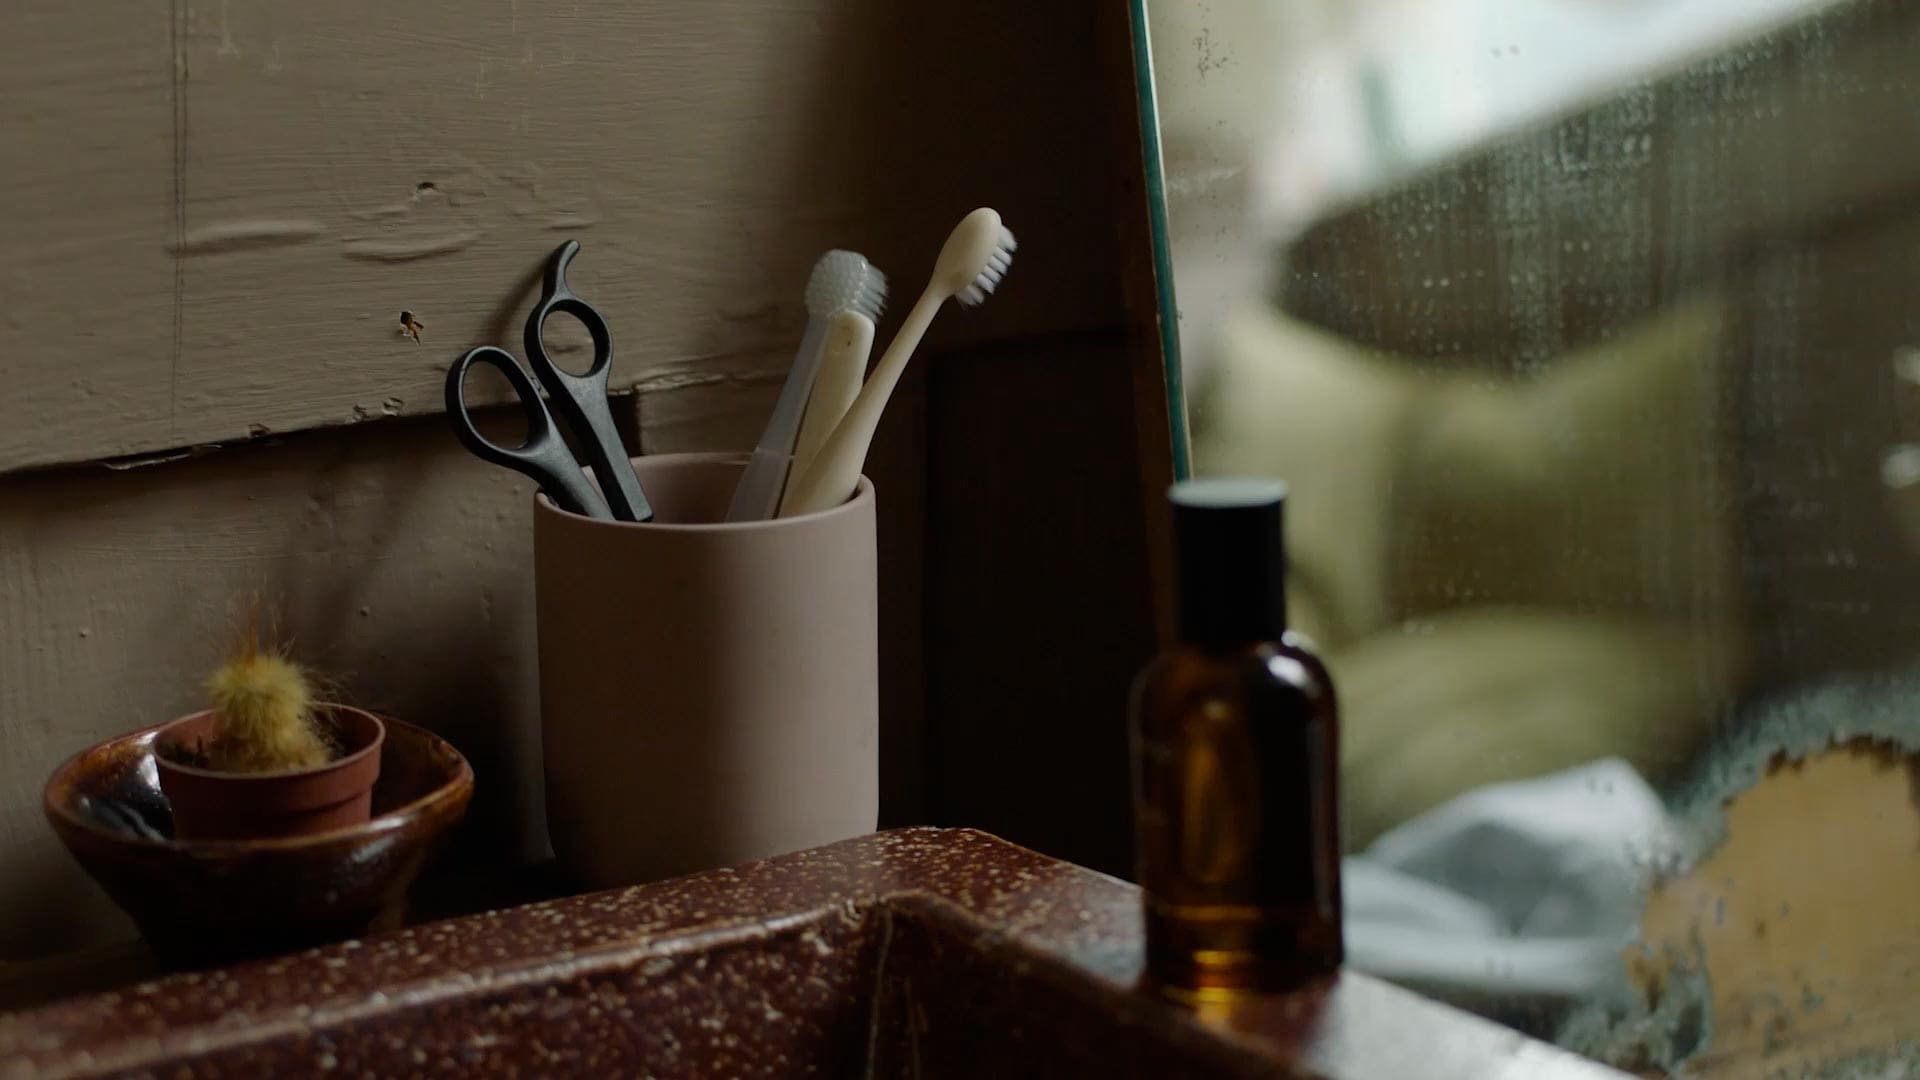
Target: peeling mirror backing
[[1584, 333]]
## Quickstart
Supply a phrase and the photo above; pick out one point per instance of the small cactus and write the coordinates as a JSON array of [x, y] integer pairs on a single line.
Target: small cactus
[[264, 717]]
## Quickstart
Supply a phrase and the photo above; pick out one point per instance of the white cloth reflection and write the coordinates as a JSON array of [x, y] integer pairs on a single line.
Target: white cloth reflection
[[1531, 888]]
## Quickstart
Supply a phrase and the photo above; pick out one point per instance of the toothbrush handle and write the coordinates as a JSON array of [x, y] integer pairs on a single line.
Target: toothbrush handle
[[834, 473], [843, 365], [757, 496]]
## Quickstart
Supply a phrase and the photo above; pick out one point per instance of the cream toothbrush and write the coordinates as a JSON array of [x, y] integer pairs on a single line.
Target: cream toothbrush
[[973, 260], [842, 367], [841, 281]]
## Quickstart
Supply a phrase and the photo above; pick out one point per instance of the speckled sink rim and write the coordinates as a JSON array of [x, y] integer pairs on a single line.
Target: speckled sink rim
[[1080, 925]]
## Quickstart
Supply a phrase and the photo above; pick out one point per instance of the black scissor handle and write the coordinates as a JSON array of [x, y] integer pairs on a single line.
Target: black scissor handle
[[543, 455], [557, 298], [582, 399]]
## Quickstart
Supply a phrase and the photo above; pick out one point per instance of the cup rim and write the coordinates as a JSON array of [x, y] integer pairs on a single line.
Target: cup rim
[[862, 498]]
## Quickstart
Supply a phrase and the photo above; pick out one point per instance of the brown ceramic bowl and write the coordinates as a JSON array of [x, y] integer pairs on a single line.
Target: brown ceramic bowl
[[204, 902]]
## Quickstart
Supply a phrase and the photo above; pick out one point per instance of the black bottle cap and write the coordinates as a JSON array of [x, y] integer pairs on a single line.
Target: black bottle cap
[[1231, 560]]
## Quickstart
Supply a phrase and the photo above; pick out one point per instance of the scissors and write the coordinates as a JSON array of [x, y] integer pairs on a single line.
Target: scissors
[[581, 399]]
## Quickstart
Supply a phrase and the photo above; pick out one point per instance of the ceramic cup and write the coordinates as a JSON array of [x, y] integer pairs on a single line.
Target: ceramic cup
[[709, 692]]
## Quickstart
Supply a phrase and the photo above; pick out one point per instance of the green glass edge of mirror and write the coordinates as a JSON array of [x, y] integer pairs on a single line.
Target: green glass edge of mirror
[[1169, 311]]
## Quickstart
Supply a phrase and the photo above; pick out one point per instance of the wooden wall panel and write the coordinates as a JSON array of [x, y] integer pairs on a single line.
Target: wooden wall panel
[[86, 123], [214, 220], [1039, 594], [400, 564]]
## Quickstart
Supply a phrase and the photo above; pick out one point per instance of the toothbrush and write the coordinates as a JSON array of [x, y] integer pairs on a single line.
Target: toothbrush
[[973, 260], [841, 281], [842, 366]]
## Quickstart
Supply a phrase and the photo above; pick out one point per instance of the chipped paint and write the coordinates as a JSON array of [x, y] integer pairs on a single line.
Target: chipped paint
[[246, 234], [407, 250]]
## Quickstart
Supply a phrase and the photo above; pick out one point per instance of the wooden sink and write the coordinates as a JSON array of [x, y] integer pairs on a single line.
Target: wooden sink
[[916, 953]]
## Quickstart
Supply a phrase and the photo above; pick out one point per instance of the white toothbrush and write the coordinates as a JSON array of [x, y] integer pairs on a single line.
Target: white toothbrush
[[842, 367], [973, 260], [841, 281]]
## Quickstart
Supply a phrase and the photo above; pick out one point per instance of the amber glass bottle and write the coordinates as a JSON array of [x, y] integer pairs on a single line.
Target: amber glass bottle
[[1236, 763]]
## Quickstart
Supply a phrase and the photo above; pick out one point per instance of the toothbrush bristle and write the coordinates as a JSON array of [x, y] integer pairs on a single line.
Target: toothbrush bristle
[[842, 281], [873, 294], [998, 263]]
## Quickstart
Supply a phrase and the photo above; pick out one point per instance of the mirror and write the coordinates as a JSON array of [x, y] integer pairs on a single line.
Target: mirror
[[1583, 333]]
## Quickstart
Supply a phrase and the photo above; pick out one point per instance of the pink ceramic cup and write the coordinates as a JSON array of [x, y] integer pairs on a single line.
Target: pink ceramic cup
[[709, 692]]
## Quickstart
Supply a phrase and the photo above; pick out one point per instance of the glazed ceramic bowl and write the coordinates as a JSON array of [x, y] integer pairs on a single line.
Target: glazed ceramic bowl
[[204, 902]]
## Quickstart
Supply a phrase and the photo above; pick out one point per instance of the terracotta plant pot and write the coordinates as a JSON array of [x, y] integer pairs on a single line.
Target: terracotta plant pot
[[211, 805]]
